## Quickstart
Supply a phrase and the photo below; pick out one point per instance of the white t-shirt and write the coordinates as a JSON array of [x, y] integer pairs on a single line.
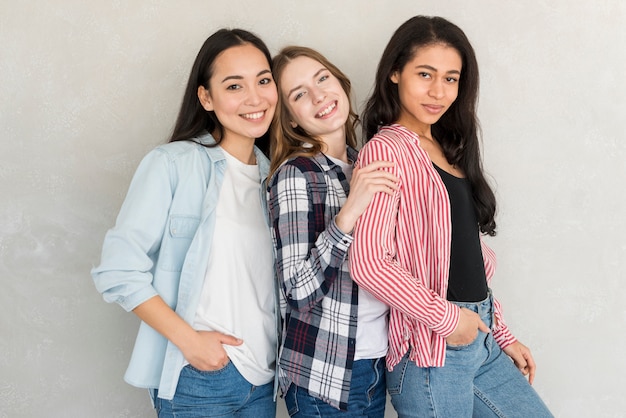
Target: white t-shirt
[[238, 291], [371, 331]]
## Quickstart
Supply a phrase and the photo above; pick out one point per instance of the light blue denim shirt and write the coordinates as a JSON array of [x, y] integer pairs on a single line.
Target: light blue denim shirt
[[160, 245]]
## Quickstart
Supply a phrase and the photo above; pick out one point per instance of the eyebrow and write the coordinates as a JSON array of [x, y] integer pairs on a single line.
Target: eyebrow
[[299, 86], [239, 77], [431, 68]]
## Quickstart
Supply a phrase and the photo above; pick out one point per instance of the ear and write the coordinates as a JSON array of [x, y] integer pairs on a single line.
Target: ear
[[394, 77], [293, 124], [205, 99]]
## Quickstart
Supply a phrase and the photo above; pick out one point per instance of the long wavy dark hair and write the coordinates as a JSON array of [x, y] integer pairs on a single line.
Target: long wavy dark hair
[[193, 119], [457, 131]]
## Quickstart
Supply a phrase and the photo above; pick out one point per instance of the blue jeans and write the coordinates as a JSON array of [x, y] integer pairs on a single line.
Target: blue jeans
[[219, 393], [478, 380], [367, 395]]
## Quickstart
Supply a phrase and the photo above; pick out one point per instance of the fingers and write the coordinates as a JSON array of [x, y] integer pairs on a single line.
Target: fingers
[[372, 179], [531, 367], [523, 359], [483, 327], [230, 340], [375, 165], [381, 184], [467, 329], [207, 353]]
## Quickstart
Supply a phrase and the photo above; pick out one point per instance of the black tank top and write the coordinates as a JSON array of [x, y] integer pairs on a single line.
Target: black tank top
[[467, 281]]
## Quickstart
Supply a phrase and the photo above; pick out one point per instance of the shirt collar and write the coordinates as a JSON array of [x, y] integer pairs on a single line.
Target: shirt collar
[[327, 164]]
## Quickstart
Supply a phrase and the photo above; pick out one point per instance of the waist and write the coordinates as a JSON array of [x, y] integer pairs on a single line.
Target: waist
[[484, 308]]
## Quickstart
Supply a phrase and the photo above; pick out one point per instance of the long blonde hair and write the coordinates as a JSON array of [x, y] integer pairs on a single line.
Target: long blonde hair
[[286, 141]]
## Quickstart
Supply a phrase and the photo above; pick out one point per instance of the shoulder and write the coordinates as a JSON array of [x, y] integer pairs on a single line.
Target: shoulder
[[393, 136], [387, 143], [306, 167], [304, 164], [299, 173], [180, 149]]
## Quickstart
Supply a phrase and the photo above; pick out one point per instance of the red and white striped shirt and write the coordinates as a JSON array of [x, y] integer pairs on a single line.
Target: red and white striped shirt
[[401, 252]]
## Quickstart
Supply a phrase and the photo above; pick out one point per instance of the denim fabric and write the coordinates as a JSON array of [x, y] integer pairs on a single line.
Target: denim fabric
[[478, 380], [160, 245], [219, 393], [367, 395]]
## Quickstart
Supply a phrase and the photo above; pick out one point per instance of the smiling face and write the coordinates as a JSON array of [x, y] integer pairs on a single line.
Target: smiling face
[[315, 99], [241, 93], [427, 86]]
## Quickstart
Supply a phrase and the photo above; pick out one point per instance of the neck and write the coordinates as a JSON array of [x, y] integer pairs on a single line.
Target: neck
[[242, 149], [335, 146], [423, 130]]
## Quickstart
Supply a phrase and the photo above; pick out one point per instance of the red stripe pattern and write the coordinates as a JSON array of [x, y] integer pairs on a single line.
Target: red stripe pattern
[[401, 252]]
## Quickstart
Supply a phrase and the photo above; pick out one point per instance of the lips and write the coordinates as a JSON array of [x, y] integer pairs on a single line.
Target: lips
[[434, 109], [326, 111]]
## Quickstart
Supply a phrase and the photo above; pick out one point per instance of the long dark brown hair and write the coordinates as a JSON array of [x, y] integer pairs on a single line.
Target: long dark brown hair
[[457, 131], [193, 119]]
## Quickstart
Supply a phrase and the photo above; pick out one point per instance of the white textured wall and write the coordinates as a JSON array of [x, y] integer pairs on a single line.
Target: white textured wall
[[87, 88]]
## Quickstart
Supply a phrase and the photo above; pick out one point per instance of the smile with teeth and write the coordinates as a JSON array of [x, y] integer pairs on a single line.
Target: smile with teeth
[[253, 116], [326, 111]]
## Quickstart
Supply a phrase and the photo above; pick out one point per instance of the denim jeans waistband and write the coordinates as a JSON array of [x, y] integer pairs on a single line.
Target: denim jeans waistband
[[483, 308]]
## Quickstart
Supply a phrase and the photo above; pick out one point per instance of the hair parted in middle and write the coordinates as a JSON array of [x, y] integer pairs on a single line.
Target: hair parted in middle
[[286, 141], [457, 131], [193, 119]]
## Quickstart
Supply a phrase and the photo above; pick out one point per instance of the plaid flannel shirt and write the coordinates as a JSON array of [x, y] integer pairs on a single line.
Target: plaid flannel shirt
[[318, 297]]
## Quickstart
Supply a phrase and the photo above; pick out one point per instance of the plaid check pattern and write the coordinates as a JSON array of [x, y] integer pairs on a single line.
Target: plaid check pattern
[[318, 297]]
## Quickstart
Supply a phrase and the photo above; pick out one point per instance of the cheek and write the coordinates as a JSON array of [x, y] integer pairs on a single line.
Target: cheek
[[453, 95], [224, 107], [272, 97], [294, 113]]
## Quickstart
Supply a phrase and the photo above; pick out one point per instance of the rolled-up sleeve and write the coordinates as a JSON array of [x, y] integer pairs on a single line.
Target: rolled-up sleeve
[[130, 248]]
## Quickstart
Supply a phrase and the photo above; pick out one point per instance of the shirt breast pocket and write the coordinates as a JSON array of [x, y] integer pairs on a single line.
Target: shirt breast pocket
[[176, 242]]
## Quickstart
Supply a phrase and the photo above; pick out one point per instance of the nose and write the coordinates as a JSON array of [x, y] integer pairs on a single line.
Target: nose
[[436, 89], [254, 96], [317, 94]]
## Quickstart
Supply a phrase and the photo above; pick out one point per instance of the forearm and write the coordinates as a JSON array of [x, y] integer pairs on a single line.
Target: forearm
[[307, 260], [307, 276], [159, 316], [391, 283]]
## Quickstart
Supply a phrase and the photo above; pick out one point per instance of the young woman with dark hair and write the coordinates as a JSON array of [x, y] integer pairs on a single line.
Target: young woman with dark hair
[[420, 249], [190, 253]]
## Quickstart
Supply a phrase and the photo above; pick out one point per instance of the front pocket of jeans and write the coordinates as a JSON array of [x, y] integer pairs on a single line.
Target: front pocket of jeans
[[209, 372], [463, 346], [395, 377], [291, 400]]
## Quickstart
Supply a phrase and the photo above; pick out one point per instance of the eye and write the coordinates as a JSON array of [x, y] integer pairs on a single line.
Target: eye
[[452, 80], [298, 96], [233, 87], [424, 74], [264, 81], [323, 78]]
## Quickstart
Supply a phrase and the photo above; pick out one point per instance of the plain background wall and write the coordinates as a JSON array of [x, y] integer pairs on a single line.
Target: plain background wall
[[87, 88]]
